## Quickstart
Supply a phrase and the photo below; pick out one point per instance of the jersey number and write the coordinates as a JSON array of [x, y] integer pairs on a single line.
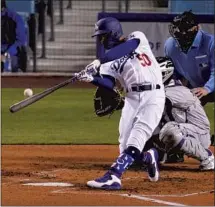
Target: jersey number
[[144, 60]]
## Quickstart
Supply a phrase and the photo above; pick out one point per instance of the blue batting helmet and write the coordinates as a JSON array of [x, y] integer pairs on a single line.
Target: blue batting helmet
[[112, 28]]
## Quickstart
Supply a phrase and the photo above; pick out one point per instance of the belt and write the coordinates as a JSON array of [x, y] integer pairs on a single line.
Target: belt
[[140, 88]]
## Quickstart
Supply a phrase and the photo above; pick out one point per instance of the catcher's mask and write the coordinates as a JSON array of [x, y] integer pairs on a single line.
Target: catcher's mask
[[167, 69], [183, 30], [108, 30]]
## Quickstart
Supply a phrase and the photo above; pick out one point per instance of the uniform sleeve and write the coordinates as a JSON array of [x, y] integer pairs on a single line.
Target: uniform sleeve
[[120, 50], [105, 69], [105, 81], [106, 77], [210, 83], [21, 36]]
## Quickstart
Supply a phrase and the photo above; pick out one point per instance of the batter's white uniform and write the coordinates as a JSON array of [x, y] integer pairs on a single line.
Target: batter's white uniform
[[142, 110]]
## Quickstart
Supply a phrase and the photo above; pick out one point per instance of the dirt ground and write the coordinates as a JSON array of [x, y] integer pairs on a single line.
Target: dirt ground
[[179, 184], [24, 166]]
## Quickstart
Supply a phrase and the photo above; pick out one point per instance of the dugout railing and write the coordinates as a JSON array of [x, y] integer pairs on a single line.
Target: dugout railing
[[122, 8]]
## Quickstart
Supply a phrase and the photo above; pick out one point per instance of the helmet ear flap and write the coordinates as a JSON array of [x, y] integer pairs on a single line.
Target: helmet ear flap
[[114, 34]]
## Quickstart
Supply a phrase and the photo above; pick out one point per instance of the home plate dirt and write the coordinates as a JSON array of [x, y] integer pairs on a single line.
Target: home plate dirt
[[34, 175]]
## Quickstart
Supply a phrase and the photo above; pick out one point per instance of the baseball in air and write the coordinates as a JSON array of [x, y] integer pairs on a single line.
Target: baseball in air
[[28, 92]]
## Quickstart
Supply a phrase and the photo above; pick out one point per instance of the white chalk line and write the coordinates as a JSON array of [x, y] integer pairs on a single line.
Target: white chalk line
[[144, 198], [50, 184], [181, 195], [139, 197]]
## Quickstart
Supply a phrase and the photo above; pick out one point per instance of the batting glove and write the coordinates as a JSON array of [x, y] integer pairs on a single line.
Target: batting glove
[[84, 76], [93, 67]]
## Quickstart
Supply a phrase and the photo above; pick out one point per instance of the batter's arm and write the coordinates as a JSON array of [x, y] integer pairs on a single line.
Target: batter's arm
[[105, 81], [120, 50]]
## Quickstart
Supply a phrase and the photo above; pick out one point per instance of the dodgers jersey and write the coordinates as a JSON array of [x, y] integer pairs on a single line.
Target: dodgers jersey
[[136, 68]]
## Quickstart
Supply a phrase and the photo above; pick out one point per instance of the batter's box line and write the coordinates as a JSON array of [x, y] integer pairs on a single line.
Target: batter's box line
[[153, 200], [182, 195], [148, 195], [138, 197]]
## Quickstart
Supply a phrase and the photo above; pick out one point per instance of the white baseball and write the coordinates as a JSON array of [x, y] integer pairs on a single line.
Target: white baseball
[[28, 92]]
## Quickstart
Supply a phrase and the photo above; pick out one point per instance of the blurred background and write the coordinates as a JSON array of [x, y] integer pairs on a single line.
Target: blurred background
[[59, 31]]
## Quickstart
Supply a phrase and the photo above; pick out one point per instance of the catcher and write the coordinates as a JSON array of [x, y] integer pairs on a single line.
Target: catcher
[[185, 126]]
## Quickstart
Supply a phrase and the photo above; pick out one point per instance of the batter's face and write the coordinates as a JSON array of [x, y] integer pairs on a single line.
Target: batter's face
[[108, 41], [103, 39]]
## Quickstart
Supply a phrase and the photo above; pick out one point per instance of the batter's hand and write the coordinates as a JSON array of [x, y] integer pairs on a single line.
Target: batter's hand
[[200, 92], [84, 76], [93, 67]]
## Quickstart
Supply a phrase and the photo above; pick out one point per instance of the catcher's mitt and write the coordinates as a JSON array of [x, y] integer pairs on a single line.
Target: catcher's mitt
[[106, 101]]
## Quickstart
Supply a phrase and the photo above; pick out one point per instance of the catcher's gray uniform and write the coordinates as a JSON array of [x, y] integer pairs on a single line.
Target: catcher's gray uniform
[[187, 126]]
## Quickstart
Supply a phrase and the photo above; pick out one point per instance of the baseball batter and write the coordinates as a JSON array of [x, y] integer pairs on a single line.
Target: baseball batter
[[187, 129], [131, 62]]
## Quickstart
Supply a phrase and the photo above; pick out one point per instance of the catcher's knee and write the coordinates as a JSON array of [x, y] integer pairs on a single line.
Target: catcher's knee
[[170, 135]]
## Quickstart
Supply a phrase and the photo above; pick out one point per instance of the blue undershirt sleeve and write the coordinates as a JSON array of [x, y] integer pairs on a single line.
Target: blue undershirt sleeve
[[120, 50], [105, 81]]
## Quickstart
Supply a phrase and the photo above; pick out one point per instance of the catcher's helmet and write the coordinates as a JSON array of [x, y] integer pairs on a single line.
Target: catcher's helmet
[[167, 68], [111, 29], [181, 29]]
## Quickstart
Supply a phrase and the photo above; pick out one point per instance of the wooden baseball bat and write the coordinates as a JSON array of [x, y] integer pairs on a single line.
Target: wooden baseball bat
[[26, 102]]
